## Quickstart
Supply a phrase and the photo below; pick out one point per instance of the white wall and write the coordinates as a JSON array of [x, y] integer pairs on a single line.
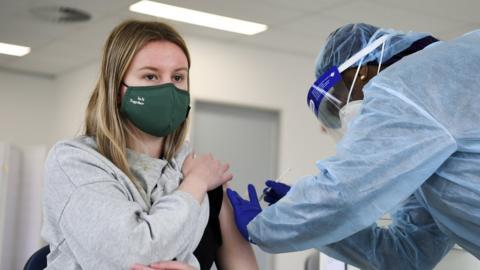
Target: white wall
[[458, 259], [27, 105], [74, 89], [455, 259]]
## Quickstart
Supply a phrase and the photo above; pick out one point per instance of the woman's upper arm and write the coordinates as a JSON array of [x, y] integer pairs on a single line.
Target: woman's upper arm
[[235, 252]]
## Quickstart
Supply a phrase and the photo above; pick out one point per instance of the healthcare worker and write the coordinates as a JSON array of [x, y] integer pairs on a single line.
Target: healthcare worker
[[411, 147]]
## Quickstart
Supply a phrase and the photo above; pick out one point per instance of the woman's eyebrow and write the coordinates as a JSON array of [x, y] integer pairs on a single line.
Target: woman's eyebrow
[[181, 69], [148, 68], [156, 69]]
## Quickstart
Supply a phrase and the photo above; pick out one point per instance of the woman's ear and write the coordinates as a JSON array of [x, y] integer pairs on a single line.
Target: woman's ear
[[119, 98], [120, 94]]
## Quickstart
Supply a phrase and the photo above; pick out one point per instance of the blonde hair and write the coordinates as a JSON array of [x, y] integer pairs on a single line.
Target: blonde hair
[[103, 119]]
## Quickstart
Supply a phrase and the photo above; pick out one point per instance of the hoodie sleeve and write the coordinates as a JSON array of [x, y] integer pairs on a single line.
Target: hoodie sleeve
[[104, 228]]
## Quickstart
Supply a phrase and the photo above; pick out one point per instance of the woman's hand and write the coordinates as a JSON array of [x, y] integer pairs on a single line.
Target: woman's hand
[[206, 170], [166, 265]]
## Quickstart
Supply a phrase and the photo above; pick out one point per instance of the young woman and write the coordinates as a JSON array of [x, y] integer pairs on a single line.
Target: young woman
[[129, 193]]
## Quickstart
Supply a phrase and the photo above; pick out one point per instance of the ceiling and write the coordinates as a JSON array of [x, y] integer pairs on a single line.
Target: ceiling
[[296, 27]]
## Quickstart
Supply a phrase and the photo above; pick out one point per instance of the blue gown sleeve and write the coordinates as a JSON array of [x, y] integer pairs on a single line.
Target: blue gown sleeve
[[389, 151], [412, 241]]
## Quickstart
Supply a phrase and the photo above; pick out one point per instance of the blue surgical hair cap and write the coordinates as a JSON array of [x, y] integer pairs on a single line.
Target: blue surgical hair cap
[[347, 40]]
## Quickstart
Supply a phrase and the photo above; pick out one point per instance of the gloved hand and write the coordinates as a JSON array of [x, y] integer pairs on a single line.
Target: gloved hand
[[244, 211], [274, 191]]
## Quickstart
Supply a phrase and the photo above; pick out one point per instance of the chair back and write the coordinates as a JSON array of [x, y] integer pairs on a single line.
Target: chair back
[[38, 261]]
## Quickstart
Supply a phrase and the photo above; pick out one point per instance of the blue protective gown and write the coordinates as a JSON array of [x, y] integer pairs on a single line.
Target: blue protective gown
[[414, 151]]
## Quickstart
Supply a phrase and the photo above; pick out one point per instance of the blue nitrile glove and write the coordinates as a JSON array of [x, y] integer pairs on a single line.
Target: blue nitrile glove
[[274, 191], [244, 211]]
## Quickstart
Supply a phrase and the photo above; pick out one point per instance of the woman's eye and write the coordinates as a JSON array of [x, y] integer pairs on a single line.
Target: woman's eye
[[177, 78], [151, 77]]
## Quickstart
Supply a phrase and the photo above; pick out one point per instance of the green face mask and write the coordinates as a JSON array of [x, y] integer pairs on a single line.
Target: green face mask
[[158, 109]]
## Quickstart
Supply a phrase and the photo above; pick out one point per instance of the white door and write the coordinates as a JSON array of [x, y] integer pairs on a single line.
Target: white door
[[247, 138]]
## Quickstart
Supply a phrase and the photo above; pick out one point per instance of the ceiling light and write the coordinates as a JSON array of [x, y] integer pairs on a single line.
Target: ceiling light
[[12, 49], [197, 17]]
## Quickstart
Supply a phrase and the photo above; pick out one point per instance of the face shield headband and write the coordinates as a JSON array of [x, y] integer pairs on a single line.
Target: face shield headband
[[329, 94]]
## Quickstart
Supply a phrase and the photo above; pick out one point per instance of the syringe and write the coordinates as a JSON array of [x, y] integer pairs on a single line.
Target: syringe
[[278, 180]]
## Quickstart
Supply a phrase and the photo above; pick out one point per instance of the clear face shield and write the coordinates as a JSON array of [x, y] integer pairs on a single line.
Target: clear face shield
[[329, 94]]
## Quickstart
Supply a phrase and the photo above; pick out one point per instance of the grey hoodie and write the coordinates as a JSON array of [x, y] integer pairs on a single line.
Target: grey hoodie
[[95, 218]]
